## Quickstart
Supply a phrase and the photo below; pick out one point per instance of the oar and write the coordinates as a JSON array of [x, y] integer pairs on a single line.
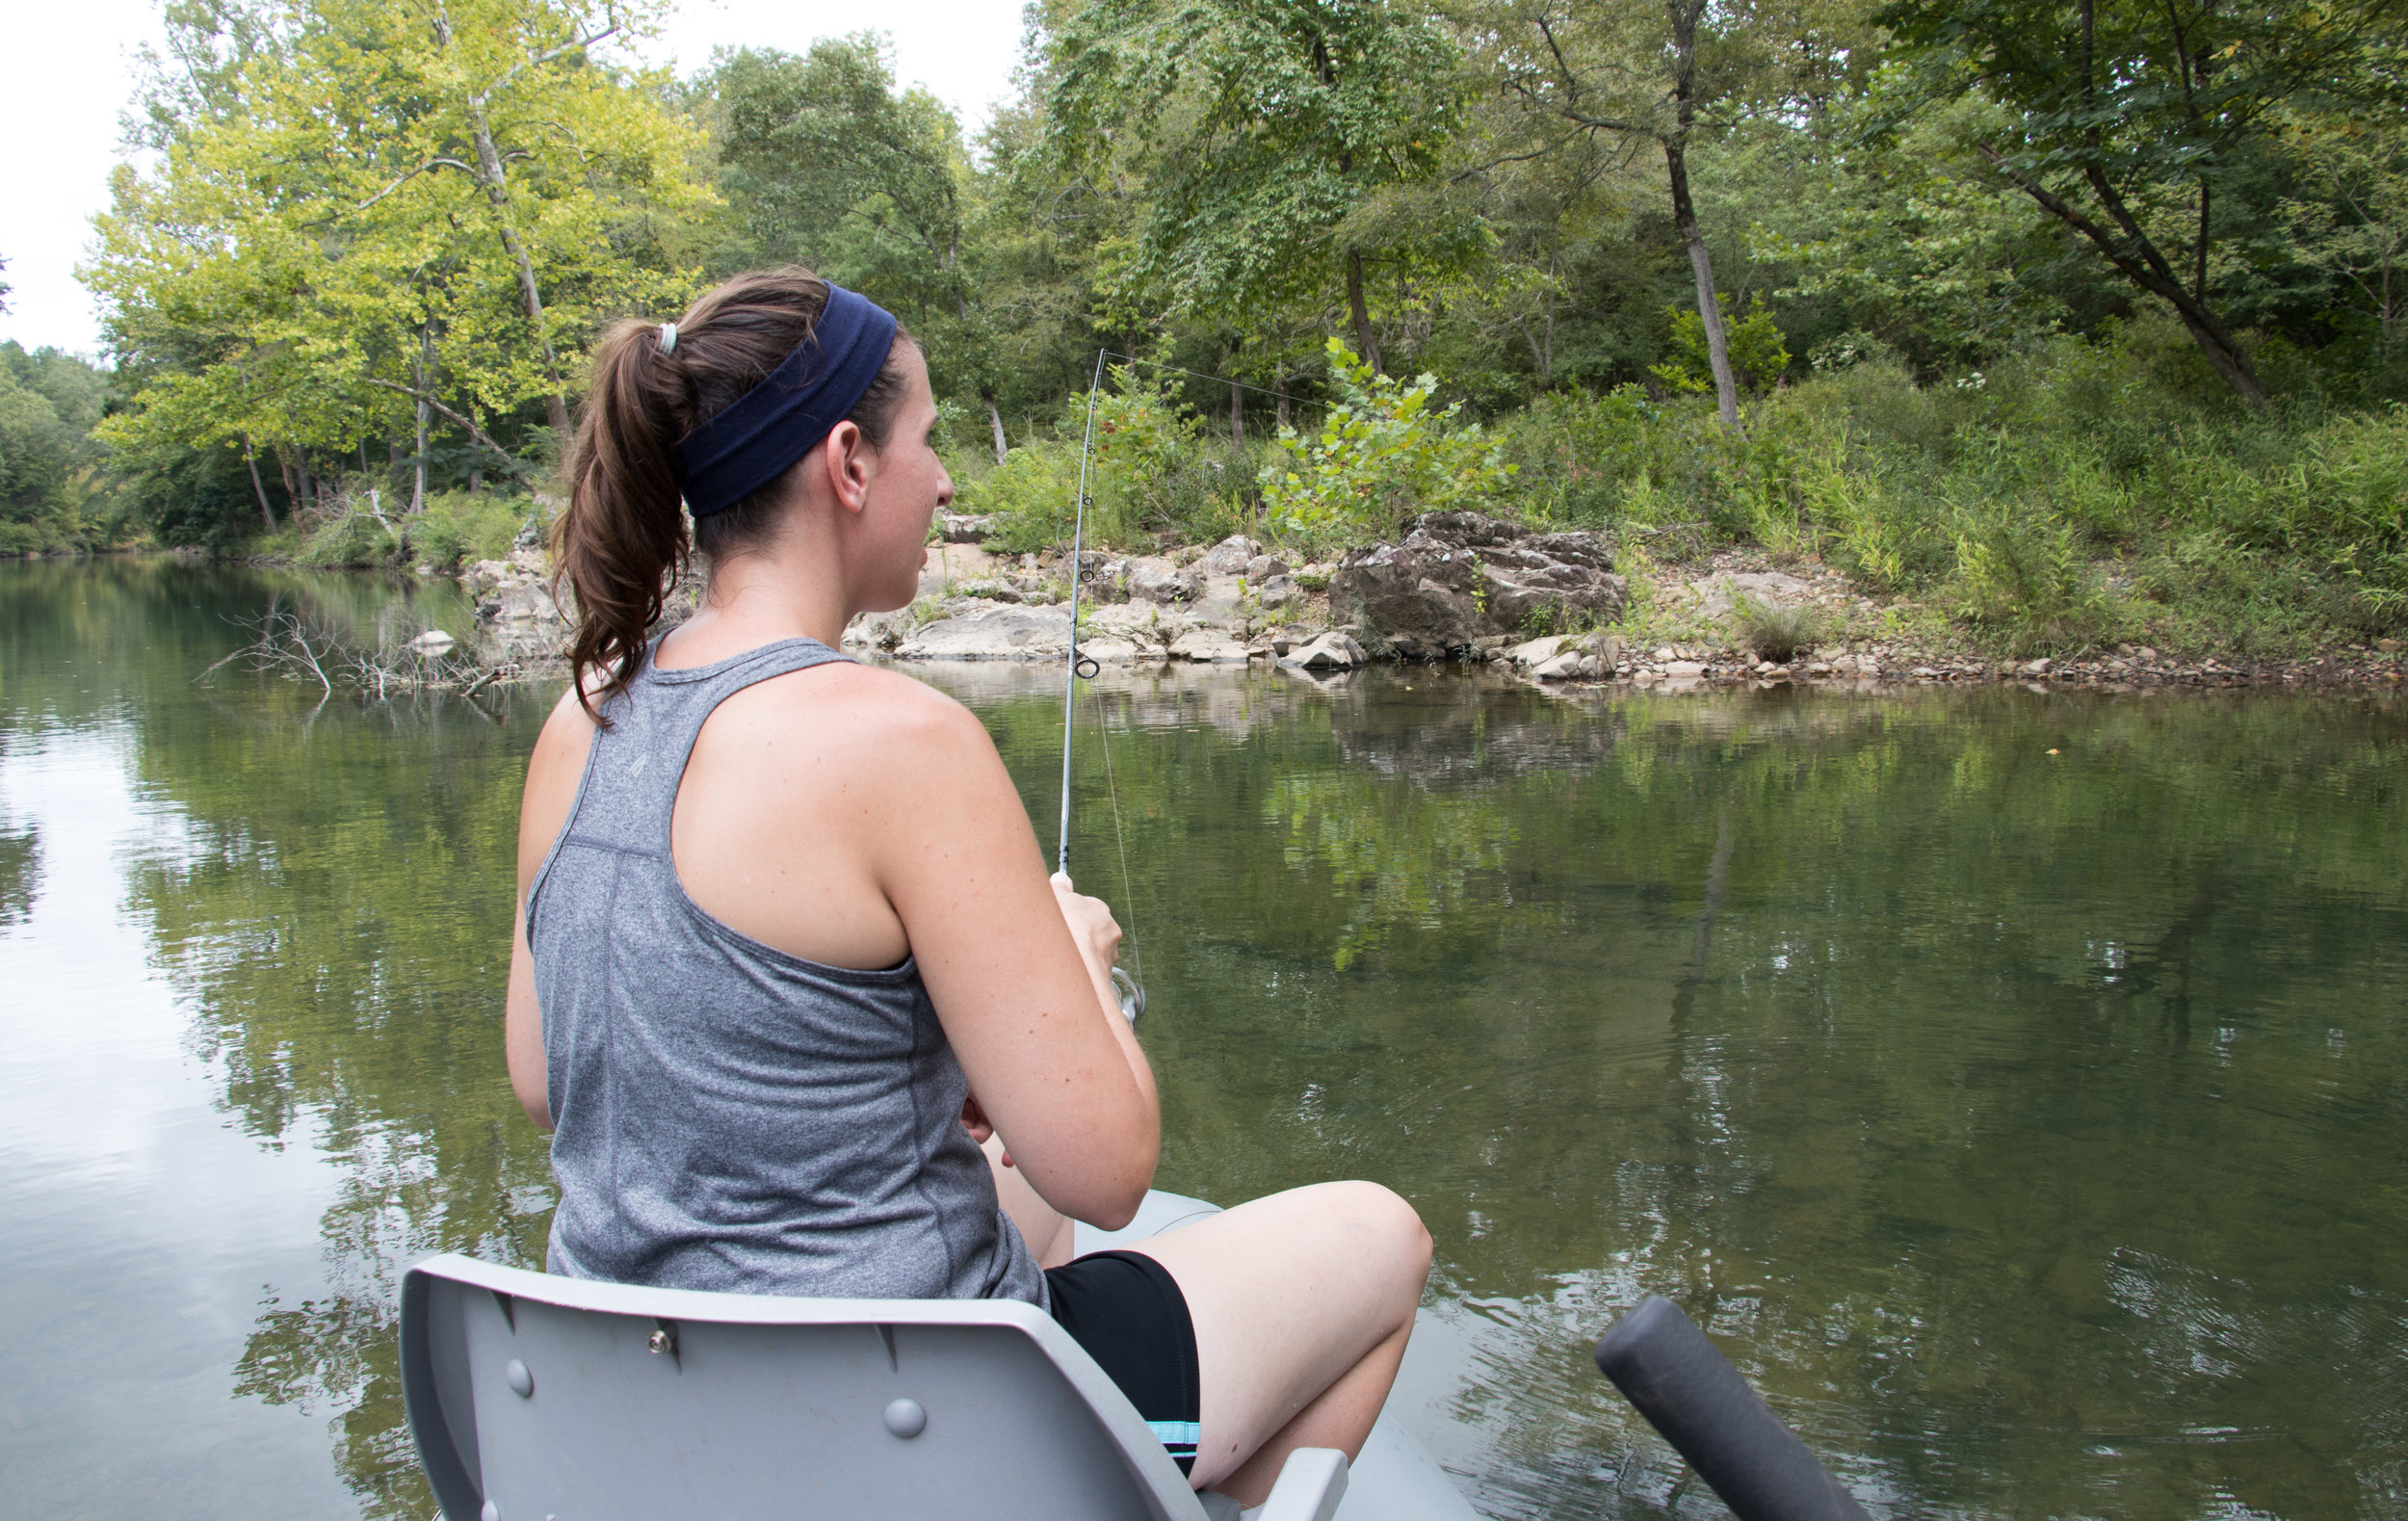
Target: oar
[[1662, 1364]]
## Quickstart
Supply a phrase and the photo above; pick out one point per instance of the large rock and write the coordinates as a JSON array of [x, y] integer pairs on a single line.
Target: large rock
[[1718, 595], [994, 633], [1207, 645], [1163, 585], [1276, 592], [1334, 650], [1231, 556], [521, 602], [1459, 576]]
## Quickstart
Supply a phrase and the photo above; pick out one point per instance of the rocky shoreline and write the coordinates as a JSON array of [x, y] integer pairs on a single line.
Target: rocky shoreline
[[1456, 586]]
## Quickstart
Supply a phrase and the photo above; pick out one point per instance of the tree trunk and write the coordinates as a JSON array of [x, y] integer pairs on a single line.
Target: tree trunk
[[253, 460], [995, 420], [418, 373], [2140, 262], [1685, 14], [530, 298], [1279, 386], [1366, 346], [1237, 399]]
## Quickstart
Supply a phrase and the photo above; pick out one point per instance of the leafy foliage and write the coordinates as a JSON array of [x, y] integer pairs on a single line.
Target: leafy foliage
[[1758, 355], [2150, 129], [1150, 474], [48, 404], [1382, 454], [358, 209]]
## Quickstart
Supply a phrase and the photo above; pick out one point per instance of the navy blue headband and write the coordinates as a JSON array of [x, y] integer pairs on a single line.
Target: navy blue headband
[[743, 449]]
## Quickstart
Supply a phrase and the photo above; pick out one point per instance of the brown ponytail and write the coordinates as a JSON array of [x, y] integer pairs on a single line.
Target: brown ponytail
[[622, 539]]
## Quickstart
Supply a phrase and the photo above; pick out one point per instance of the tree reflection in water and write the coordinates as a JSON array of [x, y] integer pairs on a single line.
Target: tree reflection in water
[[2025, 1124]]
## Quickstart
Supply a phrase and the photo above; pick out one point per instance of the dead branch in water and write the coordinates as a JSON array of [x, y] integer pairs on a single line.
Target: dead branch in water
[[311, 648]]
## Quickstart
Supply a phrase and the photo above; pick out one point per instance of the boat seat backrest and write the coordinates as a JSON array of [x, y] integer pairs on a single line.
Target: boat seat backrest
[[536, 1398]]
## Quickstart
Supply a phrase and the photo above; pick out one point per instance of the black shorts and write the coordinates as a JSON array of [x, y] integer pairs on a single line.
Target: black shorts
[[1126, 1310]]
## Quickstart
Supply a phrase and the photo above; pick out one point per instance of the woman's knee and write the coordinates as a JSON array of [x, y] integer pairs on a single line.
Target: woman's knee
[[1394, 1228]]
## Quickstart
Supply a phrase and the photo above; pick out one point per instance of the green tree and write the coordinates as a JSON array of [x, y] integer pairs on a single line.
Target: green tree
[[49, 460], [365, 216], [2152, 130], [1280, 144], [2353, 221], [831, 165], [1900, 235], [1666, 77]]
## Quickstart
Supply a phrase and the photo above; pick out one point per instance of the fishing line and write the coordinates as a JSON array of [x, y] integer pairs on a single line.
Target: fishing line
[[1120, 837], [1131, 990]]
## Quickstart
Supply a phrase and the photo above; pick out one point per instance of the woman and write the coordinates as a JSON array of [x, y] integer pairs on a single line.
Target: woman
[[787, 956]]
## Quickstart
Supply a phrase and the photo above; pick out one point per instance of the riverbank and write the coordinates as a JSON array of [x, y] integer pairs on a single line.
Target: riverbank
[[1701, 622], [1717, 619]]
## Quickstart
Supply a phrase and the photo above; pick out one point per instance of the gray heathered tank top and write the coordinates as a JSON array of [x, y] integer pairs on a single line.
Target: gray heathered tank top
[[728, 1116]]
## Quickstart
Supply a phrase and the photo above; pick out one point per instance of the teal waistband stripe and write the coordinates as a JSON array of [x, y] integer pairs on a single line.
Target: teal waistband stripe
[[1176, 1433]]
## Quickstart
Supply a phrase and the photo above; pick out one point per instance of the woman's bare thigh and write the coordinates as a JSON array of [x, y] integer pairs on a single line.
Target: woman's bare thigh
[[1288, 1293]]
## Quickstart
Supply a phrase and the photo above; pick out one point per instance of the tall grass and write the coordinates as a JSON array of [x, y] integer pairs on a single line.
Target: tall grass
[[2080, 493]]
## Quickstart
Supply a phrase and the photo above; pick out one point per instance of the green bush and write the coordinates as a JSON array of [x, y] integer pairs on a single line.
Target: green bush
[[1382, 456], [1153, 475], [2026, 580], [1757, 354], [458, 527], [351, 540], [1578, 457], [1774, 633]]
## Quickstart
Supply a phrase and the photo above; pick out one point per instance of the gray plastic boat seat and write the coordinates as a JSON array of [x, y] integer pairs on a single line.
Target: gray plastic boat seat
[[1160, 1212], [535, 1397]]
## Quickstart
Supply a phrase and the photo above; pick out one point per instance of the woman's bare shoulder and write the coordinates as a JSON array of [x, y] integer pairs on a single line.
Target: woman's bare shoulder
[[553, 771], [884, 722]]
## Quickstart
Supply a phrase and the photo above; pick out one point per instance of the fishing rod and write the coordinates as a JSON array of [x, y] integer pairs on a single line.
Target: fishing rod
[[1131, 991]]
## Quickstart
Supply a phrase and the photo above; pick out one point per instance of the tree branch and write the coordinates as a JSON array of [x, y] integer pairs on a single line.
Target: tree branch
[[428, 167], [474, 431], [538, 60]]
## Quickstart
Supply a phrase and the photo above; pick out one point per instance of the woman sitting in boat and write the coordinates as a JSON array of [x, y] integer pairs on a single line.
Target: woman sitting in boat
[[790, 978]]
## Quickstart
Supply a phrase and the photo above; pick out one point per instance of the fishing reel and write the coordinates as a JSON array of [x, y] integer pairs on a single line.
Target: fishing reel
[[1131, 993]]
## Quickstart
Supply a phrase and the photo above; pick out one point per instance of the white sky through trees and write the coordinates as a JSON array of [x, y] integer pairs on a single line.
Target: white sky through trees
[[75, 78]]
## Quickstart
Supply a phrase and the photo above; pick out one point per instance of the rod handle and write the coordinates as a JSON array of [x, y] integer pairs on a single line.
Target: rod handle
[[1687, 1390]]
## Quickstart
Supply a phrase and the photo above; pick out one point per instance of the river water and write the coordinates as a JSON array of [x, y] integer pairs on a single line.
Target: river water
[[2015, 1082]]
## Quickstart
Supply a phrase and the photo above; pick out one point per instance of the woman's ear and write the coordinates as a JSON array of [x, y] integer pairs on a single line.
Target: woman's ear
[[850, 462]]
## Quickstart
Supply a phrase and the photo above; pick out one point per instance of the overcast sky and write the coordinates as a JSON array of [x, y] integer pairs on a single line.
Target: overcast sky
[[74, 77]]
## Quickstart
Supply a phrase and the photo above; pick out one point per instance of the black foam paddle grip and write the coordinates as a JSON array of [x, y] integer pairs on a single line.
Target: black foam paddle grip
[[1662, 1364]]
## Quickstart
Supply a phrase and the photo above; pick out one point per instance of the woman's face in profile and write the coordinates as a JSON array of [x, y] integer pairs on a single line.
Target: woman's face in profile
[[904, 494]]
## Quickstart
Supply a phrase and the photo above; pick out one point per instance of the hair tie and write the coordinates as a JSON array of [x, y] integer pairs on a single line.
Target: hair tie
[[669, 337]]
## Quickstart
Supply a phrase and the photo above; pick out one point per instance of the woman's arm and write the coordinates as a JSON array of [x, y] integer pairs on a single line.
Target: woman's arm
[[1026, 1001], [552, 772]]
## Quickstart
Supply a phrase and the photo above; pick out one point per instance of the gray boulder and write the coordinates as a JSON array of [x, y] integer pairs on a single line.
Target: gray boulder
[[1209, 647], [992, 633], [1457, 577], [1334, 650], [1163, 585], [1231, 556]]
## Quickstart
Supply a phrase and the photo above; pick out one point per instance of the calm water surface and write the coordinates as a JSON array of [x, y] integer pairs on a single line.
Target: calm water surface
[[2017, 1083]]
